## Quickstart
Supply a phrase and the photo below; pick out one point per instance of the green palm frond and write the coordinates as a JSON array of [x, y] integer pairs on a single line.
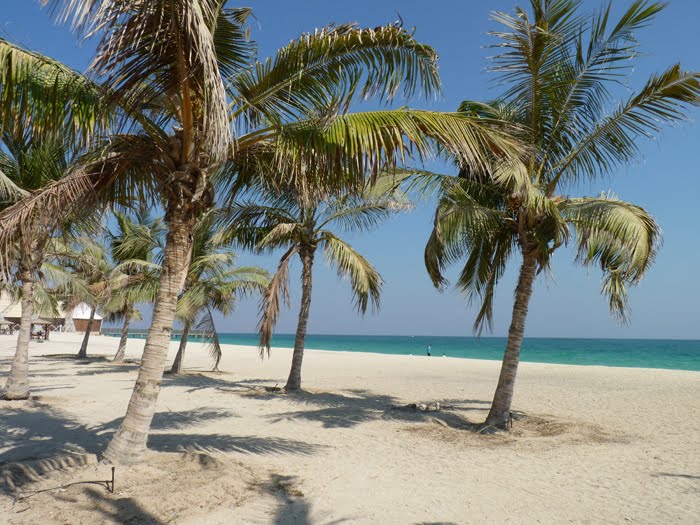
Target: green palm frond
[[531, 49], [137, 237], [353, 214], [247, 280], [279, 235], [208, 330], [335, 63], [234, 48], [468, 212], [614, 139], [42, 98], [10, 170], [620, 237], [607, 58], [350, 146], [210, 265], [121, 171], [213, 282], [365, 281]]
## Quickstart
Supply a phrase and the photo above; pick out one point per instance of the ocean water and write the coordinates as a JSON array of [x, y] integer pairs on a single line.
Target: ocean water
[[675, 354], [640, 353]]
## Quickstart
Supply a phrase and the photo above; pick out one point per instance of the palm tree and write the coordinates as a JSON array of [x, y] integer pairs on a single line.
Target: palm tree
[[301, 223], [198, 103], [559, 66], [136, 247], [47, 111], [213, 284], [29, 166], [85, 274]]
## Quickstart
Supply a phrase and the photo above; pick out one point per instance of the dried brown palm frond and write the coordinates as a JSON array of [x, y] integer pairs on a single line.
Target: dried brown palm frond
[[155, 47], [270, 301]]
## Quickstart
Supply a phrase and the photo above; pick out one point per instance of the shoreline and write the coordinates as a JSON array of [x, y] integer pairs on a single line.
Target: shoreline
[[524, 359]]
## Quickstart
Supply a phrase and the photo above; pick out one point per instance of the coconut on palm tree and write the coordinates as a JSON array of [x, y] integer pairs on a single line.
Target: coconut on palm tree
[[560, 68], [301, 223], [214, 284], [197, 102]]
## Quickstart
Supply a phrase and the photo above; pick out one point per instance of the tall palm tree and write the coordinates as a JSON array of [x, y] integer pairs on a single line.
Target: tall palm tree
[[560, 67], [136, 248], [213, 284], [197, 103], [301, 223]]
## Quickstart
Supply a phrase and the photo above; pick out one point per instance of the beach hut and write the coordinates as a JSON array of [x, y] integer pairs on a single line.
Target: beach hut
[[81, 317], [10, 313], [75, 320], [41, 328]]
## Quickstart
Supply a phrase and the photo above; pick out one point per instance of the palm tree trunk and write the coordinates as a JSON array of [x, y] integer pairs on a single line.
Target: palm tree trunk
[[83, 347], [294, 380], [121, 351], [129, 442], [17, 386], [177, 364], [499, 415]]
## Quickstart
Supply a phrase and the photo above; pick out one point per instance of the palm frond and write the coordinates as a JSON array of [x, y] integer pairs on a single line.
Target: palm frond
[[620, 237], [365, 281], [351, 146], [208, 329], [40, 97], [582, 91], [468, 212], [334, 64], [270, 300], [161, 47], [614, 139]]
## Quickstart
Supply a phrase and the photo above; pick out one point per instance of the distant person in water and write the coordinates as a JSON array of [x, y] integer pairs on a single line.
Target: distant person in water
[[428, 351]]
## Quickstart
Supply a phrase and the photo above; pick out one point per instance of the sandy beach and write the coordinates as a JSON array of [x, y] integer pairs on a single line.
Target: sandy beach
[[589, 445]]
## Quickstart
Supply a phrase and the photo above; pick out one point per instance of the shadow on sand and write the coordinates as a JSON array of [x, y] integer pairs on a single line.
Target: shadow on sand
[[292, 508], [52, 439], [356, 406], [106, 510]]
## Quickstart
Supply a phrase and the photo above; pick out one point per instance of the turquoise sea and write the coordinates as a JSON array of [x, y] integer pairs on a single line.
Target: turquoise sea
[[675, 354], [641, 353]]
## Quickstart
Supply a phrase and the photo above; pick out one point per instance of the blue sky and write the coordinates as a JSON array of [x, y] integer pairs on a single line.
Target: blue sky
[[665, 180]]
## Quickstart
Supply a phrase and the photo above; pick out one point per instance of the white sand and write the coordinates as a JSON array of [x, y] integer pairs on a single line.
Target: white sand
[[597, 445]]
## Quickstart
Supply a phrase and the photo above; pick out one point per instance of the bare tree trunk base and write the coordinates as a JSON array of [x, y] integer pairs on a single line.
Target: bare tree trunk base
[[501, 420], [126, 450], [15, 395]]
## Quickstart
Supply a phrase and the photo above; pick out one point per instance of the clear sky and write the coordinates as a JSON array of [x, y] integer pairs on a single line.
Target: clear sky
[[665, 180]]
